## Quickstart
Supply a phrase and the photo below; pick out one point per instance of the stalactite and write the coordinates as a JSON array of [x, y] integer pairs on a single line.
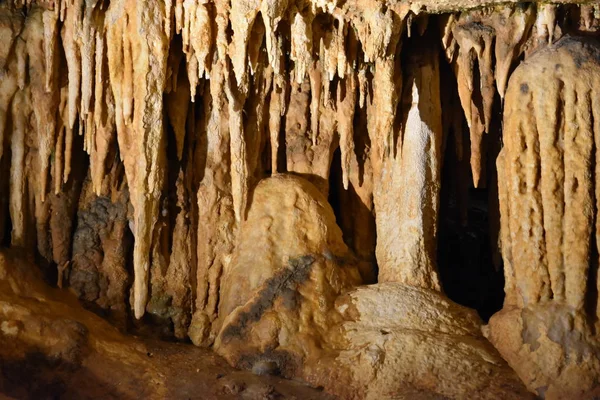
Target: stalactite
[[46, 101], [50, 21], [243, 15], [272, 12], [345, 109], [20, 107], [177, 109], [301, 39], [315, 101], [377, 32], [256, 121], [87, 51], [8, 88], [512, 28], [275, 111], [385, 100], [104, 117], [255, 47], [475, 41], [198, 40], [239, 153], [546, 22], [71, 32], [141, 141]]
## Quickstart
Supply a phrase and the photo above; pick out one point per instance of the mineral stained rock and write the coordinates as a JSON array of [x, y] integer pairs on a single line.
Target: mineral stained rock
[[279, 307], [231, 172], [547, 330]]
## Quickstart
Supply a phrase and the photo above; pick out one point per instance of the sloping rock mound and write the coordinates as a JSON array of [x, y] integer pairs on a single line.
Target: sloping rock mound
[[50, 347], [279, 290], [293, 310], [400, 341], [549, 195]]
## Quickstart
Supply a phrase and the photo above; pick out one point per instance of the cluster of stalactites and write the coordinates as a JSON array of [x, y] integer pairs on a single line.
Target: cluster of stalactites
[[483, 46], [121, 57]]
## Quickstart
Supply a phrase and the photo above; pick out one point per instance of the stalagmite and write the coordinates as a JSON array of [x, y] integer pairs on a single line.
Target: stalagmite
[[178, 276], [409, 188], [216, 218], [345, 108]]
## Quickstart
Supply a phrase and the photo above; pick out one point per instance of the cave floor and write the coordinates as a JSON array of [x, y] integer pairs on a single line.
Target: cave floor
[[53, 348]]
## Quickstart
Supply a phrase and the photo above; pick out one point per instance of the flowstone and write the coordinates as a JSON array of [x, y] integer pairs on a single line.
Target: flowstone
[[549, 195]]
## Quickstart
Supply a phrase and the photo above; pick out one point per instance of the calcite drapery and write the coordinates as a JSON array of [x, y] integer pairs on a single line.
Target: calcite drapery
[[548, 177], [137, 61]]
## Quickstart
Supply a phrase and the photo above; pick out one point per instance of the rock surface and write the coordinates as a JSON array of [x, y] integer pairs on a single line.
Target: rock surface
[[548, 177], [397, 336], [294, 311], [51, 347], [279, 307]]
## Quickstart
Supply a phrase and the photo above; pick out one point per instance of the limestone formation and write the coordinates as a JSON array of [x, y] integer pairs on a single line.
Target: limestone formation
[[306, 186], [279, 307], [548, 197], [297, 312]]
